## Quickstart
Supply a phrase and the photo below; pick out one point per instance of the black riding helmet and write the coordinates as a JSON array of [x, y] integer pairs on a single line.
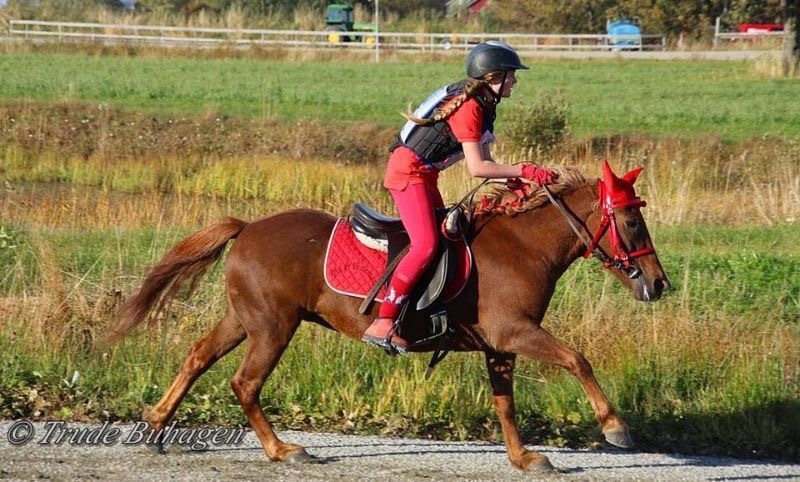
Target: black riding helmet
[[492, 56]]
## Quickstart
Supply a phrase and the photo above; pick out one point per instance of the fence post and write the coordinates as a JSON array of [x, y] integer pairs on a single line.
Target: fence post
[[377, 32]]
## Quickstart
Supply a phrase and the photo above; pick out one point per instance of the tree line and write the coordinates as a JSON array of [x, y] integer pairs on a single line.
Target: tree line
[[673, 18]]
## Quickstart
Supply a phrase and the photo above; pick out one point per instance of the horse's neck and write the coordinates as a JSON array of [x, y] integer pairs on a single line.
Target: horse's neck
[[544, 234]]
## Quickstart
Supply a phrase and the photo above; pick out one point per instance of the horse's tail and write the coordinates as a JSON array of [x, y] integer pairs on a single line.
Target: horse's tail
[[187, 261]]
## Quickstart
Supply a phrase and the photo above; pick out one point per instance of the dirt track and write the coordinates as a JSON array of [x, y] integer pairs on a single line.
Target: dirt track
[[355, 458]]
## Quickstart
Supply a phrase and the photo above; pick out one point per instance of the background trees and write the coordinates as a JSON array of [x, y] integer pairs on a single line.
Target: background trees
[[671, 17]]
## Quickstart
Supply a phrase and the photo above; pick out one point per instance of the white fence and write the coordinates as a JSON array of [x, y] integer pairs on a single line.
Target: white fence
[[749, 37], [776, 37], [398, 41]]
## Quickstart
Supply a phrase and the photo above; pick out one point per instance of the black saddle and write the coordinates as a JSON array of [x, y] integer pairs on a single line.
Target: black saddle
[[368, 221]]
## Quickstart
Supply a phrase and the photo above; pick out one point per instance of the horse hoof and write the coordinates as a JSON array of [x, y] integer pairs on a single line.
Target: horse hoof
[[300, 457], [541, 467], [620, 438], [156, 448]]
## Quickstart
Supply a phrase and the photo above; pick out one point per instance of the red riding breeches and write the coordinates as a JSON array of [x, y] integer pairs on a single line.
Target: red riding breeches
[[416, 205]]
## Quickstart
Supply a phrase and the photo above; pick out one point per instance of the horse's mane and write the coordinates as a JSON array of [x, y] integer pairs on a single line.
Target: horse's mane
[[499, 199]]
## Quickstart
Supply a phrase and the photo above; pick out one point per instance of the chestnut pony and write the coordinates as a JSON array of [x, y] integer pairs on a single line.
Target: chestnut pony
[[274, 280]]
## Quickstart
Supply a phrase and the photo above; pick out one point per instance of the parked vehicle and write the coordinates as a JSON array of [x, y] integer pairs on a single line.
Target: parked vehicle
[[624, 34], [339, 18], [758, 28]]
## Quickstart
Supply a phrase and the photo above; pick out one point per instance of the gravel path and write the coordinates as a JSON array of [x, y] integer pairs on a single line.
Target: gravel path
[[347, 458]]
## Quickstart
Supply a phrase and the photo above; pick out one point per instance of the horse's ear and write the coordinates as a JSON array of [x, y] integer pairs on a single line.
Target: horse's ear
[[631, 176], [608, 175]]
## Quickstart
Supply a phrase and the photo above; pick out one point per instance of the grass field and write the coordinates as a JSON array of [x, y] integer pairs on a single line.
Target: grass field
[[712, 368], [727, 99]]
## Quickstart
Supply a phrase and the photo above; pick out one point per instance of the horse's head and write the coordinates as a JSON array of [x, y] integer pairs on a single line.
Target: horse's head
[[623, 238]]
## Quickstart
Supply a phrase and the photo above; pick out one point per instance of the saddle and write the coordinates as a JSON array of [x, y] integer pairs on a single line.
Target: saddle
[[369, 222], [373, 232]]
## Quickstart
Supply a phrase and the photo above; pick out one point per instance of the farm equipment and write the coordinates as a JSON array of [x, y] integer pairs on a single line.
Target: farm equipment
[[339, 20]]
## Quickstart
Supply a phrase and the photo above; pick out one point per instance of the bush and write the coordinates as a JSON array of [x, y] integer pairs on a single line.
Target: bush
[[538, 126]]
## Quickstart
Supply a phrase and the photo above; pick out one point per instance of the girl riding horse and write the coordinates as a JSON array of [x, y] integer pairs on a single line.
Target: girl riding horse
[[455, 122]]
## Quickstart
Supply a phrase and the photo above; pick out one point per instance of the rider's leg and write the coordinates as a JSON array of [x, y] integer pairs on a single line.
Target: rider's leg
[[415, 205]]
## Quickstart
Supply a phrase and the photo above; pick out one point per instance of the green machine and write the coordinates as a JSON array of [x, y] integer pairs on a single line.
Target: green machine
[[339, 18]]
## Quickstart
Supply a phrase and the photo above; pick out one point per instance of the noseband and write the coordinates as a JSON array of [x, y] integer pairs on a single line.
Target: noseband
[[620, 256]]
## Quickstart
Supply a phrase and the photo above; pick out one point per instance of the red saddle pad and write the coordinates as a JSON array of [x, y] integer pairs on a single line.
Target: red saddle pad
[[352, 268]]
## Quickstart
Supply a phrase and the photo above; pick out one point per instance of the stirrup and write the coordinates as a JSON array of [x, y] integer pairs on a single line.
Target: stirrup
[[385, 343]]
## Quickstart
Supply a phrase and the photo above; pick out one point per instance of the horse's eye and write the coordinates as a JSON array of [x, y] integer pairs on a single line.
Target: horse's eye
[[632, 223]]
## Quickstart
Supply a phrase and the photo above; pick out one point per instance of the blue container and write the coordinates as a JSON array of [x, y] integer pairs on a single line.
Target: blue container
[[624, 33]]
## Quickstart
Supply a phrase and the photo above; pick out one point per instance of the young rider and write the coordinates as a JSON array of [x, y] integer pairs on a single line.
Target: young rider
[[456, 122]]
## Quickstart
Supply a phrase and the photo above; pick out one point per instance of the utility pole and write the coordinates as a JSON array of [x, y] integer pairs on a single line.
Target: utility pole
[[377, 37], [791, 38]]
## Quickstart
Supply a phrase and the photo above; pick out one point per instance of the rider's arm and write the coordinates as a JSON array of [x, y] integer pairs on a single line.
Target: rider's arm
[[480, 164]]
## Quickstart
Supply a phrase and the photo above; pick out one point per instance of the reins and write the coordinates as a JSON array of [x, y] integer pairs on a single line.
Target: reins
[[571, 221], [468, 205]]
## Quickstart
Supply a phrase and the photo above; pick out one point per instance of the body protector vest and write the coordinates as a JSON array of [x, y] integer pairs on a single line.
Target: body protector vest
[[435, 143]]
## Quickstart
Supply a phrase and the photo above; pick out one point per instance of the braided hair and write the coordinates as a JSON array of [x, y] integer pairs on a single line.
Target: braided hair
[[470, 88]]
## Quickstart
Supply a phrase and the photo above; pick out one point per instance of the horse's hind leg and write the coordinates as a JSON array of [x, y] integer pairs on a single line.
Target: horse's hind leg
[[223, 338], [501, 376], [266, 344], [540, 345]]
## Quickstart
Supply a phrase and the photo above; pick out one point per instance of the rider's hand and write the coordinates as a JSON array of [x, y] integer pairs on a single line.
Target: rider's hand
[[539, 175]]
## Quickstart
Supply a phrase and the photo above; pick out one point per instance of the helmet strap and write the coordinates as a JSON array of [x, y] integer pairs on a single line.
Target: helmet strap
[[498, 96]]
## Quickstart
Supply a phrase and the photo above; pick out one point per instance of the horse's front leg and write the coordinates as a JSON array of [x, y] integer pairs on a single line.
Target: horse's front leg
[[539, 344], [501, 376]]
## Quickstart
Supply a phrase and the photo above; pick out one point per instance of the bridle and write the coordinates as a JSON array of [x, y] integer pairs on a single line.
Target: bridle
[[620, 256]]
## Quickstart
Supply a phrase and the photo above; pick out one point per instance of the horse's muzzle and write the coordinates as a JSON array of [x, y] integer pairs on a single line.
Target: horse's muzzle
[[651, 291]]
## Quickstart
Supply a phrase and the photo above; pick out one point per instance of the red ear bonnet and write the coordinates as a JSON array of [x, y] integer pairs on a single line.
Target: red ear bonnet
[[619, 191]]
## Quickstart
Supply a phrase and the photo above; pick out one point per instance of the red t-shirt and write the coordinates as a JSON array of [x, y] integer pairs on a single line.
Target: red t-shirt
[[405, 167]]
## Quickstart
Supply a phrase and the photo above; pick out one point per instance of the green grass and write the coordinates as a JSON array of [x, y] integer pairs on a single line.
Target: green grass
[[683, 98], [742, 272]]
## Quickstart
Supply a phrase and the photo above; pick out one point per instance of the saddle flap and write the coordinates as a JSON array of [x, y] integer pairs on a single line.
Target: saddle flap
[[441, 275]]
